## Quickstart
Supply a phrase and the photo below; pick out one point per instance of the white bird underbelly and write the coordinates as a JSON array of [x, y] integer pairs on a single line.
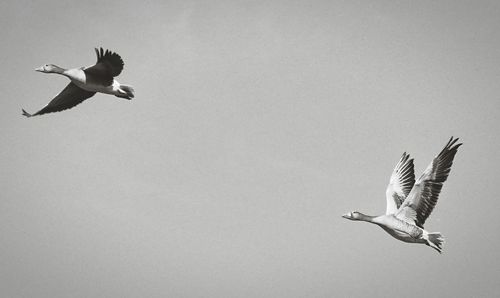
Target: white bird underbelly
[[403, 236], [400, 229], [112, 89], [79, 78]]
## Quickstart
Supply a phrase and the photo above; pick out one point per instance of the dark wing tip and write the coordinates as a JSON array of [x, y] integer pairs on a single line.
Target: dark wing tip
[[404, 158], [114, 60], [450, 146], [26, 113], [453, 146], [452, 141]]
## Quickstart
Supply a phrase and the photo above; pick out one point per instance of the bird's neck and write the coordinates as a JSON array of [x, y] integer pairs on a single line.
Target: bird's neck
[[367, 218], [59, 70]]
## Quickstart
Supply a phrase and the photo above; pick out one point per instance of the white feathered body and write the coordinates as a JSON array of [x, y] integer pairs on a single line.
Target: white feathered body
[[400, 229], [82, 80]]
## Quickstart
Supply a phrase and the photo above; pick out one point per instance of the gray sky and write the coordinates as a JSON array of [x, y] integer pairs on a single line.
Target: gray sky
[[256, 124]]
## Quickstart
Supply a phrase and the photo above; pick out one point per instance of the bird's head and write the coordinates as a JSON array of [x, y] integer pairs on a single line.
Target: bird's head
[[49, 68], [354, 215]]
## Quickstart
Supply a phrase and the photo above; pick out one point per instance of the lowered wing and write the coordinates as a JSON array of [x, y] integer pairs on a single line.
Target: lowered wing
[[66, 99]]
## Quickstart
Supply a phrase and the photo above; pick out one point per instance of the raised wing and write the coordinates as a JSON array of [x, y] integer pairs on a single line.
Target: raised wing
[[66, 99], [400, 184], [108, 65], [424, 195]]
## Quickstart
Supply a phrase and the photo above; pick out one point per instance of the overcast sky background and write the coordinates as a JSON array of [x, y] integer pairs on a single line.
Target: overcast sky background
[[256, 125]]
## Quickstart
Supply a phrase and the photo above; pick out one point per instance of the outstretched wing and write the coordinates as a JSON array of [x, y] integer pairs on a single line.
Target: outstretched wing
[[66, 99], [424, 194], [108, 65], [400, 184]]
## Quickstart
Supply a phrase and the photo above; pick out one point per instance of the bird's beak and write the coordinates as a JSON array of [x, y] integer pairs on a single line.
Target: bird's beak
[[40, 69], [347, 215]]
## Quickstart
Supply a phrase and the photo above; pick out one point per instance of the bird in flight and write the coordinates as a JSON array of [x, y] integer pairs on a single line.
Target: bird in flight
[[87, 81], [409, 203]]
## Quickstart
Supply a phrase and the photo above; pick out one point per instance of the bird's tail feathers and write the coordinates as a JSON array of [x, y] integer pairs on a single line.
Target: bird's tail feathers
[[128, 89], [436, 241]]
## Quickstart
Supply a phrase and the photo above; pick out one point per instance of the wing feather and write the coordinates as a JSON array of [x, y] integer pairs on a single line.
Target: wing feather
[[69, 97], [108, 65], [425, 193], [400, 183]]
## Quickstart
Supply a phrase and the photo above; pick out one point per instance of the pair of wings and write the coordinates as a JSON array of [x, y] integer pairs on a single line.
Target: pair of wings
[[414, 201], [108, 65]]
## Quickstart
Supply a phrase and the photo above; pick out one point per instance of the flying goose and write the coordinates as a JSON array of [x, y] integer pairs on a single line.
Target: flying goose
[[409, 203], [87, 81]]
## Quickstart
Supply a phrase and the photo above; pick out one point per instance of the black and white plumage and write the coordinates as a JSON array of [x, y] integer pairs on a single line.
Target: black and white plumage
[[400, 184], [424, 195], [410, 203], [108, 66], [87, 81]]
